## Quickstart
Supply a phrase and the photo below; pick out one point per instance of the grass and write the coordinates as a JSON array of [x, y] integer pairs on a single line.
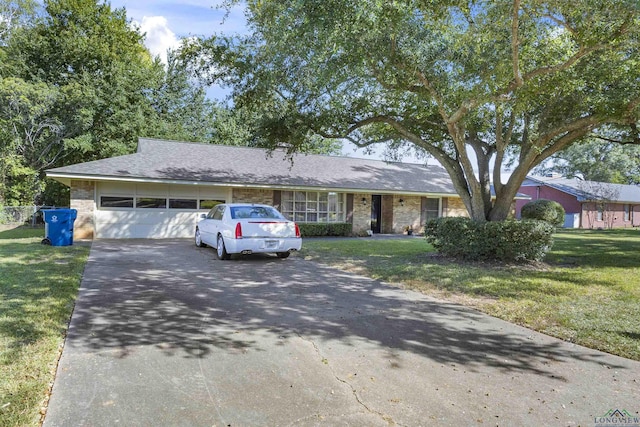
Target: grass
[[38, 287], [586, 292]]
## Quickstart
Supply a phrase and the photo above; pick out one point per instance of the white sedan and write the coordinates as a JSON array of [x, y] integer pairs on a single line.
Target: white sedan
[[242, 228]]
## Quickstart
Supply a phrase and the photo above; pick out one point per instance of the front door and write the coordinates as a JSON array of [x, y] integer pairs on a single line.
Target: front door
[[376, 213]]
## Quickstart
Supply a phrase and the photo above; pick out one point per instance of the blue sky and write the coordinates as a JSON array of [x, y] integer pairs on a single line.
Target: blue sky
[[165, 22]]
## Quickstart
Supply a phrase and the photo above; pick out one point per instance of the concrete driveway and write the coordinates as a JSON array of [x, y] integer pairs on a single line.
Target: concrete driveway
[[164, 334]]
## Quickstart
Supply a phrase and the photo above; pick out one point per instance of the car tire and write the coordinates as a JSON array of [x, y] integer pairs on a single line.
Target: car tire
[[221, 251], [282, 254], [198, 239]]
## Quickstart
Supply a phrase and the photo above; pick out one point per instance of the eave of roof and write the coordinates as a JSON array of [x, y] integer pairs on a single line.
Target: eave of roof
[[626, 193]]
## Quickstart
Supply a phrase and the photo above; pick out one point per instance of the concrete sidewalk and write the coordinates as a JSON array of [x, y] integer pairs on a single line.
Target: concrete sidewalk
[[163, 334]]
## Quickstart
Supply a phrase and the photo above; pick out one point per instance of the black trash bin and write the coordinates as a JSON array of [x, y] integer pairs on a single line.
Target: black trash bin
[[58, 228]]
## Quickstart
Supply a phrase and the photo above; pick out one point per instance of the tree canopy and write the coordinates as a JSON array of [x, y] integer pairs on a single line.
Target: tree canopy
[[597, 160], [73, 81], [477, 85], [78, 84]]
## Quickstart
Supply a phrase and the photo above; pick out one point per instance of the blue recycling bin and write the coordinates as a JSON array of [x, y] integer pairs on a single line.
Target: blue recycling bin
[[58, 228]]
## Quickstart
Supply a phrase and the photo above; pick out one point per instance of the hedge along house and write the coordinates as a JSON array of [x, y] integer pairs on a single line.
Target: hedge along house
[[159, 191], [587, 204]]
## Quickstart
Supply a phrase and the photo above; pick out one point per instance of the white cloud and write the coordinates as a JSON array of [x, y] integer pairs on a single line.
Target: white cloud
[[159, 37]]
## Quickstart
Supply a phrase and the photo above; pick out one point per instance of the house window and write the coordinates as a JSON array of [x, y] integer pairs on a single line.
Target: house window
[[183, 204], [431, 208], [116, 202], [151, 203], [312, 206], [627, 212], [599, 213]]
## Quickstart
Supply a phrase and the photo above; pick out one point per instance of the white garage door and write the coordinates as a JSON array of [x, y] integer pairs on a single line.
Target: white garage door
[[152, 211]]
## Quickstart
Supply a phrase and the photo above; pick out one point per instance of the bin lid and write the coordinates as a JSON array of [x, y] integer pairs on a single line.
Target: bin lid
[[55, 215]]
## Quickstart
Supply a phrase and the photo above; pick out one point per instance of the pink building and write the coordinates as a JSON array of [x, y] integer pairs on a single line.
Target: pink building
[[588, 204]]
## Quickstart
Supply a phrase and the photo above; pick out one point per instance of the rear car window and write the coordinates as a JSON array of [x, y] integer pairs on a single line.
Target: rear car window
[[257, 212]]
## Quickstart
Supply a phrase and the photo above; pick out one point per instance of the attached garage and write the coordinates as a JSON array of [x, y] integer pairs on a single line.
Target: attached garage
[[148, 210]]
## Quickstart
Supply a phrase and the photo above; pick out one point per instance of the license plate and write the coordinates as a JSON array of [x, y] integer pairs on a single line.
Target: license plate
[[271, 244]]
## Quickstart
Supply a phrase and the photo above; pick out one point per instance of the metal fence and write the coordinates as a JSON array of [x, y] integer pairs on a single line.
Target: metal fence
[[21, 215]]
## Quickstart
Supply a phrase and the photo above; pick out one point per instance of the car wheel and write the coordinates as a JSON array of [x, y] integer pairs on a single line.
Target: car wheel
[[221, 251], [199, 240], [283, 254]]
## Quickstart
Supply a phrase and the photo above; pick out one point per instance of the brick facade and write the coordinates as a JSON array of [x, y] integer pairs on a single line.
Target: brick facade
[[407, 213], [453, 207], [361, 213], [82, 199], [252, 195], [396, 216], [587, 212], [613, 215], [569, 202]]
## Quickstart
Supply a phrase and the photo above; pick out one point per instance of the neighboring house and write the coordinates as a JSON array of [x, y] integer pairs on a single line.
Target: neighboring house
[[588, 204], [159, 191]]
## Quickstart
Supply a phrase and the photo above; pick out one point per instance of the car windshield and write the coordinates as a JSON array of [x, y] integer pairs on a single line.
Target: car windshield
[[262, 212]]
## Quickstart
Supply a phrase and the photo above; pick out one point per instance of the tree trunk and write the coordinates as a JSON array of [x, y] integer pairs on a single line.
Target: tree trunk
[[479, 208], [501, 208]]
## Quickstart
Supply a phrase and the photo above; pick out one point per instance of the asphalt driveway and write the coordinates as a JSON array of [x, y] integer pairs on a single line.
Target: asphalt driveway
[[164, 334]]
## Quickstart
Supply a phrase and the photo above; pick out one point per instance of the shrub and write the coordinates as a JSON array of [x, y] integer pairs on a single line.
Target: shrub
[[527, 240], [321, 229], [446, 235], [544, 210], [510, 240]]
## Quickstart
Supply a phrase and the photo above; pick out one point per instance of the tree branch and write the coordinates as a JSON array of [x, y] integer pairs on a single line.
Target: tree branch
[[515, 44], [543, 71], [635, 140], [452, 166], [588, 123], [434, 94], [562, 142], [501, 142]]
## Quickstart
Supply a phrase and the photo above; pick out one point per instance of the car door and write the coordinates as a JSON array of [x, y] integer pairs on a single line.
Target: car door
[[207, 230], [215, 224]]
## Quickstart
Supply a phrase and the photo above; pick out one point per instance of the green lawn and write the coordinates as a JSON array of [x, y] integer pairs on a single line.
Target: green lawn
[[587, 291], [38, 286]]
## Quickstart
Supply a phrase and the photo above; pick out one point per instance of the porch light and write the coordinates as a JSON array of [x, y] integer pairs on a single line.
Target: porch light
[[401, 202], [364, 201]]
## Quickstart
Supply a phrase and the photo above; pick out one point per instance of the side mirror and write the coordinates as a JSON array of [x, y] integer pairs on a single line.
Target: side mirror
[[203, 216]]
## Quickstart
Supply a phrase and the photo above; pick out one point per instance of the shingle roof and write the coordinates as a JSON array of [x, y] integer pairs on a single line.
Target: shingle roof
[[591, 190], [161, 160]]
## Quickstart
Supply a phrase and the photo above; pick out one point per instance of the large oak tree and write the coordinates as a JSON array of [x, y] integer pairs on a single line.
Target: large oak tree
[[474, 84]]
